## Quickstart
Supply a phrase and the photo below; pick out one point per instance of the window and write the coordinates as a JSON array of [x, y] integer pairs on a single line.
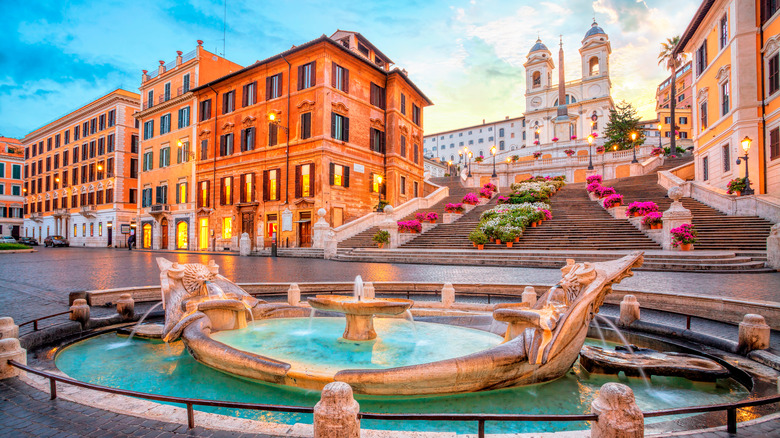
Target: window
[[340, 78], [376, 183], [403, 146], [668, 120], [204, 149], [377, 96], [247, 187], [167, 91], [203, 194], [501, 132], [726, 159], [110, 143], [93, 125], [132, 197], [703, 115], [185, 83], [249, 94], [273, 134], [184, 117], [133, 168], [416, 114], [724, 31], [165, 156], [85, 128], [16, 171], [403, 185], [226, 191], [148, 161], [111, 118], [102, 122], [683, 120], [305, 126], [133, 144], [247, 139], [705, 168], [75, 178], [271, 186], [227, 227], [148, 129], [101, 146], [481, 140], [774, 143], [377, 141], [306, 75], [228, 102], [92, 149], [403, 105], [501, 145], [724, 98], [48, 144], [205, 110], [146, 197], [701, 58], [273, 86], [67, 137], [416, 154], [339, 127], [110, 167], [183, 152], [75, 133], [339, 175], [593, 65], [304, 180], [181, 193], [774, 73], [226, 145], [537, 79]]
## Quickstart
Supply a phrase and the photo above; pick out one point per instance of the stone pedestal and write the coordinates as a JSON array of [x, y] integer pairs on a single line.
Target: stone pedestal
[[7, 328], [753, 334], [293, 295], [331, 245], [675, 216], [592, 196], [448, 295], [320, 230], [11, 350], [495, 182], [468, 207], [336, 414], [618, 212], [629, 311], [619, 416], [244, 245], [773, 248], [368, 291], [391, 227], [529, 296], [79, 311], [125, 306], [636, 221], [449, 218]]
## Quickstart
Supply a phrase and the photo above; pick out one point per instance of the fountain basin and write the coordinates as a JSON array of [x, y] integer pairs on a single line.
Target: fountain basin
[[651, 363], [360, 312]]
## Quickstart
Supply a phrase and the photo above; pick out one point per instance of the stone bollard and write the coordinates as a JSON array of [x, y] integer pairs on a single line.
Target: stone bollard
[[629, 311], [125, 306], [79, 311], [244, 245], [773, 248], [675, 216], [619, 416], [368, 291], [336, 414], [11, 350], [448, 295], [529, 296], [753, 334], [7, 328], [294, 295]]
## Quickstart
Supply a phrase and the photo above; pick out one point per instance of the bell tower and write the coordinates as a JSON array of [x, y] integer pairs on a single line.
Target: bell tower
[[595, 53]]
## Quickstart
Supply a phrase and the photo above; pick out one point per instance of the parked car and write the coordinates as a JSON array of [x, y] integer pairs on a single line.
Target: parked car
[[7, 239], [29, 241], [55, 241]]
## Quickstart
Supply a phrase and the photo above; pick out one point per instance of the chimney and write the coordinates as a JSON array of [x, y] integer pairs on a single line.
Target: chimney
[[483, 121], [144, 76], [200, 43], [161, 68], [178, 57]]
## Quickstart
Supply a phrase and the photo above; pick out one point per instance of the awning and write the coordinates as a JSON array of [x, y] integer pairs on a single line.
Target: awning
[[302, 221]]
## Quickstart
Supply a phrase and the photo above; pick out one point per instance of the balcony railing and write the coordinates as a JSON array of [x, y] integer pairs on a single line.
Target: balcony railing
[[148, 104], [160, 208], [60, 212], [88, 210], [37, 217]]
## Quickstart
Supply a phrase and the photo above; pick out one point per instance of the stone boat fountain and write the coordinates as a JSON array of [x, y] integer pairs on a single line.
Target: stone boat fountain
[[541, 342]]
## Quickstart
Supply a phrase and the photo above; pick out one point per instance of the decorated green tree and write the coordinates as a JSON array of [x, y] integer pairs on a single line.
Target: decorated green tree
[[623, 122]]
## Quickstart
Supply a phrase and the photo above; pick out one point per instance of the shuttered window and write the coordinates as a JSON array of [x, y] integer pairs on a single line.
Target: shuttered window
[[403, 104], [340, 78], [229, 102], [205, 110], [247, 188], [249, 95], [273, 86], [226, 145], [226, 191], [306, 75], [377, 140], [339, 127], [247, 139], [338, 175], [305, 126], [304, 180], [203, 194], [271, 186], [415, 114], [377, 96], [774, 143]]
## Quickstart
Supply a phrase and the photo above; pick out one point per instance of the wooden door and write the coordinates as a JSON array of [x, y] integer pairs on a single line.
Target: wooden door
[[248, 224], [164, 234]]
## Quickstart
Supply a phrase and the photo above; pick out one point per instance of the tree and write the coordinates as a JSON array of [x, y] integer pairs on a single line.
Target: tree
[[623, 121], [672, 62]]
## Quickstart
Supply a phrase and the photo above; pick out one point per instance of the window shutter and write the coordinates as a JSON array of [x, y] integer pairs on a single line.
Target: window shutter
[[243, 139], [383, 142], [278, 185], [222, 191], [311, 179], [300, 77], [346, 176], [253, 188], [332, 174], [242, 189], [251, 141], [232, 190], [298, 188], [208, 193], [254, 92], [313, 73], [346, 129], [244, 95], [265, 185], [224, 103], [333, 125], [371, 182], [346, 80], [268, 88]]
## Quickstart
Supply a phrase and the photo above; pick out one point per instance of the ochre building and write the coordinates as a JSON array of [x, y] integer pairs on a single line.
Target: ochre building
[[11, 180]]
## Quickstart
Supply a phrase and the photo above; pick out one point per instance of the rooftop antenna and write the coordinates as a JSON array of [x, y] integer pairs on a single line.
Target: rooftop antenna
[[224, 27]]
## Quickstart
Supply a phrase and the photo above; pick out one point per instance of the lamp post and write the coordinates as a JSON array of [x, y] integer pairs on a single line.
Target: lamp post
[[379, 194], [493, 151], [660, 126], [471, 154], [746, 147], [449, 167], [590, 153], [633, 146]]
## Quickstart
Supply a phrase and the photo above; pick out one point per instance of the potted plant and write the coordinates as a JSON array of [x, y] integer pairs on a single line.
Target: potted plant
[[485, 192], [603, 192], [569, 152], [537, 154], [420, 217], [593, 178], [471, 199], [454, 208], [684, 236], [656, 151], [382, 237], [536, 142], [555, 139], [613, 200], [509, 237], [599, 149], [641, 208], [653, 220], [593, 187], [432, 216], [515, 158], [736, 186], [503, 199], [479, 159], [573, 137], [478, 238], [490, 186], [595, 134]]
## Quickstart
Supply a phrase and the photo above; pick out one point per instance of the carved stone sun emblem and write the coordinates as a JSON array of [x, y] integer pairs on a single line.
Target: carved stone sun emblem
[[195, 275]]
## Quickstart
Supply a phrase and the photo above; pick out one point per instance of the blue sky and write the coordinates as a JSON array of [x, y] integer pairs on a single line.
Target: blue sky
[[466, 55]]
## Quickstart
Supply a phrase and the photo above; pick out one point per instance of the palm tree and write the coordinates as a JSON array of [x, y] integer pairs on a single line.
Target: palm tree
[[666, 57]]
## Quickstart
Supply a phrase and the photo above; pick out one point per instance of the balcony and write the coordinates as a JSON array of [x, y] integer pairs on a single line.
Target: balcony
[[157, 210], [88, 210], [37, 217], [61, 212], [148, 104]]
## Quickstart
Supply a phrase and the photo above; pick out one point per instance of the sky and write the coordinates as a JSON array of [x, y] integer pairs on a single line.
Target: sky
[[466, 55]]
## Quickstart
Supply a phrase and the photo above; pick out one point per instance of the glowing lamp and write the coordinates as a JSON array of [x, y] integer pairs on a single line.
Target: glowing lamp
[[746, 144]]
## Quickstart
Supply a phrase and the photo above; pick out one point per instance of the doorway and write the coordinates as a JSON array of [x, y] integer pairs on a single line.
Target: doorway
[[248, 224], [182, 234], [204, 233], [164, 233], [304, 229], [110, 235]]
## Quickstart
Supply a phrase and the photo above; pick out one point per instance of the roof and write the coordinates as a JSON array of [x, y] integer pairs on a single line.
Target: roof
[[365, 40], [594, 30], [294, 49], [538, 46], [475, 126], [698, 17]]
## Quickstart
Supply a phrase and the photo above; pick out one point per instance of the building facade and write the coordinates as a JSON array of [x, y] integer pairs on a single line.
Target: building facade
[[11, 187], [683, 107], [80, 173], [327, 124], [167, 129], [436, 168], [734, 46], [506, 135]]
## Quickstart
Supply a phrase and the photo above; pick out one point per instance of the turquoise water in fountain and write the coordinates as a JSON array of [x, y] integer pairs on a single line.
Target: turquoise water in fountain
[[155, 367], [316, 345]]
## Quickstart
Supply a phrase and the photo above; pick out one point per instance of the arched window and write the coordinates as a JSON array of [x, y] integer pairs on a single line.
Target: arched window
[[501, 145], [501, 132], [594, 66], [147, 235], [182, 233], [537, 79], [569, 99]]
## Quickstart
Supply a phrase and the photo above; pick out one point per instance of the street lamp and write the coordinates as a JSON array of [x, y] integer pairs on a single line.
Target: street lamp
[[493, 151], [660, 127], [590, 153], [746, 147], [633, 146], [471, 154]]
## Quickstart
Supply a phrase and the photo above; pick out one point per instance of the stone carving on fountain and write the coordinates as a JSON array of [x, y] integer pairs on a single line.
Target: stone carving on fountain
[[636, 362]]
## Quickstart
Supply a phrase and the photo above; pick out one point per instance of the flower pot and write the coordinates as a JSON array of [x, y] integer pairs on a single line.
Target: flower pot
[[738, 193], [685, 246], [637, 214], [480, 247], [498, 241], [474, 244], [380, 245], [656, 226], [433, 221], [533, 224], [509, 244], [517, 239], [539, 223]]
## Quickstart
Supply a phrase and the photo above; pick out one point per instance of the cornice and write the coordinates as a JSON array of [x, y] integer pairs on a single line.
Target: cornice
[[165, 105]]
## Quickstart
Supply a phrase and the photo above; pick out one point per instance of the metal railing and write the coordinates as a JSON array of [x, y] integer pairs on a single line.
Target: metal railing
[[480, 419], [34, 322]]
